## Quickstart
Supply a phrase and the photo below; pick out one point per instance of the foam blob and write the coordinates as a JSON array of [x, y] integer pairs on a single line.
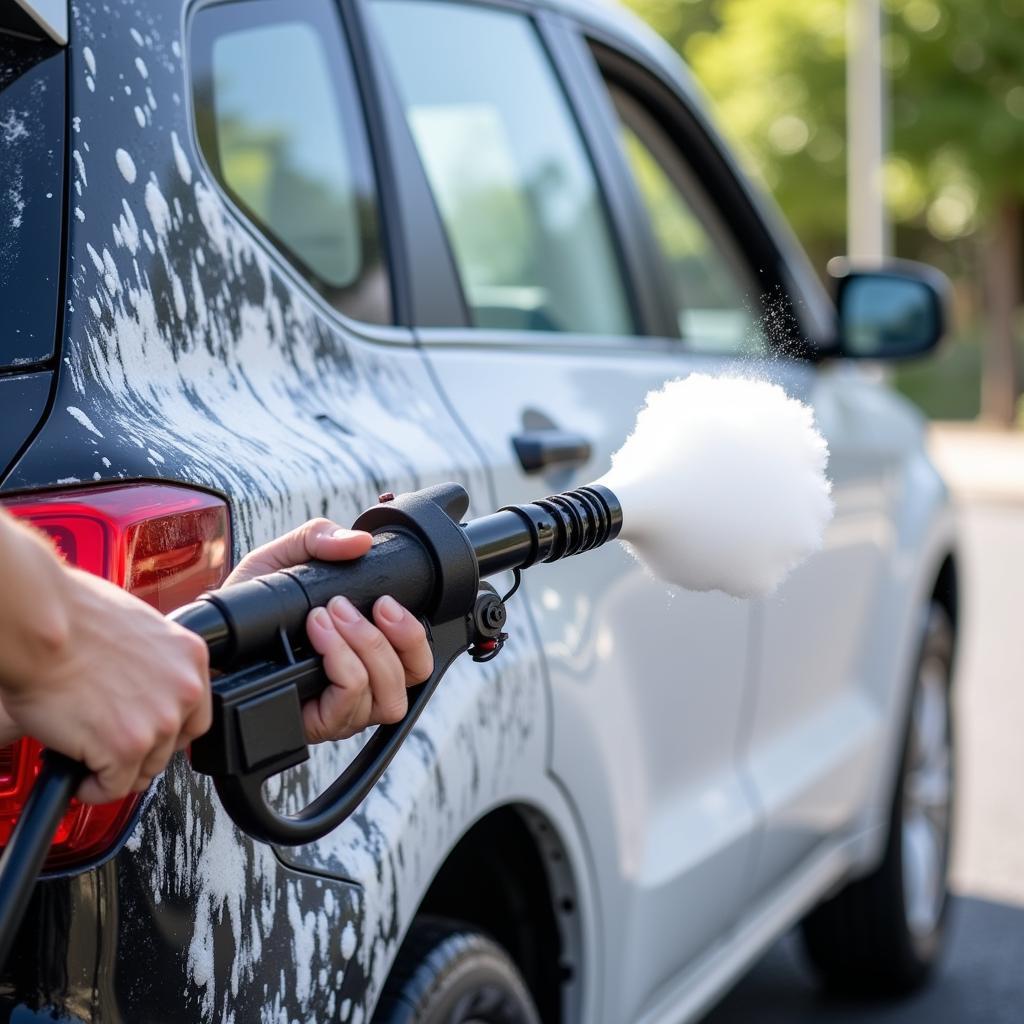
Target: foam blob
[[723, 484]]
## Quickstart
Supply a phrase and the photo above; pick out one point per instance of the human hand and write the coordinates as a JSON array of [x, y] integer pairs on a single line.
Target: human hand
[[369, 664], [94, 673]]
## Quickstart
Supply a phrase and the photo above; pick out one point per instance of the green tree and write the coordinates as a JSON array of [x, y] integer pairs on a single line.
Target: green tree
[[958, 123], [954, 177]]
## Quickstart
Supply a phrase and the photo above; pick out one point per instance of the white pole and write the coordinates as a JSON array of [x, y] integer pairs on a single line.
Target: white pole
[[867, 231]]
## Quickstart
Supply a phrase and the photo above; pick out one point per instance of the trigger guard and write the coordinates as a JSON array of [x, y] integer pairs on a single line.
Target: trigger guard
[[243, 796]]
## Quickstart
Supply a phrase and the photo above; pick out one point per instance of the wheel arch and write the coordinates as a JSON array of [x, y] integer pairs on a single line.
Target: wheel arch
[[946, 591], [511, 876]]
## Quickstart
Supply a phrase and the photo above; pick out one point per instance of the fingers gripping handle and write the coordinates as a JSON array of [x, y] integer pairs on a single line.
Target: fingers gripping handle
[[420, 556], [247, 621]]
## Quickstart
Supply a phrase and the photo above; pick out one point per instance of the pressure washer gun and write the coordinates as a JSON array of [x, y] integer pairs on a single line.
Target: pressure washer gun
[[425, 557]]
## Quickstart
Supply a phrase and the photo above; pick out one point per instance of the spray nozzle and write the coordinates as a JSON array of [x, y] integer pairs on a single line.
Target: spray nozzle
[[518, 536]]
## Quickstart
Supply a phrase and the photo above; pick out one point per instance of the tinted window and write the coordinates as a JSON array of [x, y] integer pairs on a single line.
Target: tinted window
[[713, 290], [31, 197], [281, 126], [508, 169]]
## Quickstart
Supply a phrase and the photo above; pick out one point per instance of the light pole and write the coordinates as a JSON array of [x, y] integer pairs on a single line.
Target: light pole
[[867, 230]]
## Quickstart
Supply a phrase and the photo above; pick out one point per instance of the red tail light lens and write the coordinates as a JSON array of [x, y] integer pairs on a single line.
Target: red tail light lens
[[163, 543]]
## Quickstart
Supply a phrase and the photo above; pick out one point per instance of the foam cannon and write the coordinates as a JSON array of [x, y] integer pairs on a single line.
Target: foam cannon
[[723, 486], [429, 561]]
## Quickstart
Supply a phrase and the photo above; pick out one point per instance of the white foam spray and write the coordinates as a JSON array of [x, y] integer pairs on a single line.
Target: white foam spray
[[723, 484]]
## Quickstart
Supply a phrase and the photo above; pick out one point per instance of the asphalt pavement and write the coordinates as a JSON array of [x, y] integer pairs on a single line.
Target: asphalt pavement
[[981, 980]]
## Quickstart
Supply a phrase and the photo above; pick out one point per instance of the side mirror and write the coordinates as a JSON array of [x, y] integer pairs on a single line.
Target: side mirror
[[893, 312]]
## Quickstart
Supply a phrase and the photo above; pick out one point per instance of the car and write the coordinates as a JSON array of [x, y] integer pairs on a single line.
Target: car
[[263, 260]]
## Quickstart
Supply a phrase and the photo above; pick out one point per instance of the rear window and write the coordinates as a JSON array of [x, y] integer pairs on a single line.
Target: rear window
[[281, 126], [31, 199]]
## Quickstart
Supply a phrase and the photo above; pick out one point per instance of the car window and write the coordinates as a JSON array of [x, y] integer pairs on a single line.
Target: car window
[[31, 183], [280, 123], [508, 169], [716, 296]]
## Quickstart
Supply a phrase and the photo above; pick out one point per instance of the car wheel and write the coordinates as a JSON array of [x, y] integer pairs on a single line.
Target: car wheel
[[448, 972], [883, 933]]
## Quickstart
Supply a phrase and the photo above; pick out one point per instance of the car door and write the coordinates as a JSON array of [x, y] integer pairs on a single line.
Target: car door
[[647, 685]]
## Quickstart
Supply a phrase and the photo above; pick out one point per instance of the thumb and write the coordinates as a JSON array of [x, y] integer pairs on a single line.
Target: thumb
[[317, 538], [339, 545]]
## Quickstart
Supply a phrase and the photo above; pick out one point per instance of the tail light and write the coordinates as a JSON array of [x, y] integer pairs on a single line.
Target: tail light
[[166, 545]]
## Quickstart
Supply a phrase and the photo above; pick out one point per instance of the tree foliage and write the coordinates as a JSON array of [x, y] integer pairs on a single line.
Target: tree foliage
[[953, 178], [776, 72]]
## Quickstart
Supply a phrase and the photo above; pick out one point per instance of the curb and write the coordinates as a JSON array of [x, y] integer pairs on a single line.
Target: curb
[[979, 464]]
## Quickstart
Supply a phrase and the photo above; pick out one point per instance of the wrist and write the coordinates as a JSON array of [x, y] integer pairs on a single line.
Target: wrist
[[34, 613]]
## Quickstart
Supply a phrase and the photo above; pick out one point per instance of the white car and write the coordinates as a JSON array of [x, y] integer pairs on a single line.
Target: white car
[[277, 256]]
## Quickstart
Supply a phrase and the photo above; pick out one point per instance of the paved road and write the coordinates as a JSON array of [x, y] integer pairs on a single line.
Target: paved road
[[982, 980]]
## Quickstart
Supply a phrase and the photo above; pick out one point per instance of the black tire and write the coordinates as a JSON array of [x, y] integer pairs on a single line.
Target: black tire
[[448, 972], [874, 937]]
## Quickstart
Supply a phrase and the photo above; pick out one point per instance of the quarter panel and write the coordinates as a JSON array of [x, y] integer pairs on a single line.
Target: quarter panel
[[480, 743], [191, 922], [192, 354]]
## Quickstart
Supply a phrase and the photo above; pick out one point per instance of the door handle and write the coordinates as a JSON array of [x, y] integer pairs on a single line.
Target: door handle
[[539, 449]]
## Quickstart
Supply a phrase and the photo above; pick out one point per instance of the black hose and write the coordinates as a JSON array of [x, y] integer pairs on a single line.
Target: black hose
[[30, 841]]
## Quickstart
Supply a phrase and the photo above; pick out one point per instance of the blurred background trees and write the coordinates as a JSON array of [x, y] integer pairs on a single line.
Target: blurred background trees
[[954, 174]]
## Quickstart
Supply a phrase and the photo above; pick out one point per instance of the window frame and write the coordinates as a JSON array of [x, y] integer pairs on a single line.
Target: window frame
[[695, 198], [426, 285], [642, 270], [584, 51]]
